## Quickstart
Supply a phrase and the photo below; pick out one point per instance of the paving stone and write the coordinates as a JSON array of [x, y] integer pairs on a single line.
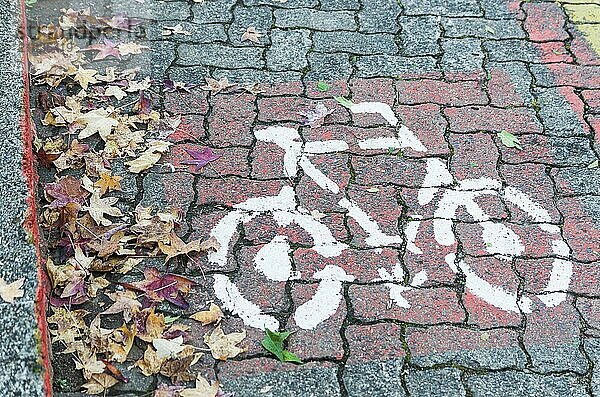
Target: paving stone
[[443, 382], [552, 338], [274, 83], [213, 11], [577, 181], [220, 56], [154, 10], [382, 169], [289, 49], [561, 111], [482, 28], [589, 308], [21, 378], [544, 22], [374, 378], [551, 75], [490, 349], [420, 35], [335, 5], [379, 16], [231, 120], [194, 102], [283, 4], [592, 100], [390, 66], [592, 348], [250, 378], [169, 190], [315, 19], [243, 17], [581, 49], [371, 302], [581, 228], [454, 8], [460, 93], [519, 384], [522, 50], [482, 118], [495, 9], [462, 59], [509, 84], [328, 66], [206, 33], [355, 43], [289, 108], [233, 190], [475, 156], [188, 74]]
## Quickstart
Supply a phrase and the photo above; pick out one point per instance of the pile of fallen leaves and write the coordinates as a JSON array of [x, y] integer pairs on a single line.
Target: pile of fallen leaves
[[94, 239]]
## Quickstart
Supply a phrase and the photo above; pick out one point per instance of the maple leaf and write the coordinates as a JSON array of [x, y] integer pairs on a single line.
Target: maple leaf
[[165, 390], [148, 325], [9, 292], [142, 85], [108, 183], [252, 35], [178, 247], [177, 29], [102, 206], [96, 121], [200, 158], [46, 159], [315, 117], [212, 315], [216, 86], [99, 383], [67, 190], [131, 48], [149, 157], [124, 302], [150, 364], [203, 389], [224, 346], [121, 21], [85, 77], [168, 348], [169, 287], [106, 49], [115, 91], [172, 86]]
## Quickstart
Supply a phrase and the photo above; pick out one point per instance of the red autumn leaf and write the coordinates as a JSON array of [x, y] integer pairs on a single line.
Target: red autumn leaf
[[170, 287], [106, 49], [66, 190], [200, 158], [143, 105], [114, 371], [46, 159]]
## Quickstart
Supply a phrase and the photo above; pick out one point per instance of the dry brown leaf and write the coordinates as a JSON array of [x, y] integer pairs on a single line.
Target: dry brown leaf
[[9, 292], [150, 364], [224, 346], [131, 48], [210, 316], [108, 183], [102, 206], [85, 77], [99, 383], [114, 91], [124, 302], [96, 121], [216, 86], [203, 389], [178, 247]]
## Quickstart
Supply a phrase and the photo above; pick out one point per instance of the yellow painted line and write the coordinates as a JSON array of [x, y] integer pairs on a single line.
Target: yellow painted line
[[585, 14]]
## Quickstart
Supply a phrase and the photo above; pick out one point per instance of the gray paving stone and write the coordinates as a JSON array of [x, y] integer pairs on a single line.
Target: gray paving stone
[[520, 78], [482, 28], [498, 9], [565, 357], [340, 4], [188, 74], [355, 43], [213, 11], [220, 56], [462, 56], [556, 113], [390, 66], [519, 384], [154, 63], [261, 17], [591, 204], [313, 382], [379, 16], [497, 358], [249, 76], [288, 50], [315, 19], [580, 181], [328, 66], [374, 379], [198, 33], [283, 4], [420, 35], [453, 8], [571, 151], [592, 348], [435, 383], [542, 76], [152, 9], [512, 50]]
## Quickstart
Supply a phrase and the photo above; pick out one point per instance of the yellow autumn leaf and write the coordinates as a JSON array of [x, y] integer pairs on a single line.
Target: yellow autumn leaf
[[223, 346], [212, 315]]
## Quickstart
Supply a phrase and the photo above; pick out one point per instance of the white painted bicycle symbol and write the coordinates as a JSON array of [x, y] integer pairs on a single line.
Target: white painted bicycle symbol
[[273, 260]]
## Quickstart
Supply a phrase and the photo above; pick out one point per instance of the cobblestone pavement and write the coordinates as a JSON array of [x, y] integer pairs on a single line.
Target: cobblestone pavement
[[411, 251]]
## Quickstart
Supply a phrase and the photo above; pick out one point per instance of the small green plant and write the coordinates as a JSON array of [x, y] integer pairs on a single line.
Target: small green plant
[[62, 384], [273, 342], [323, 86], [343, 101], [30, 3]]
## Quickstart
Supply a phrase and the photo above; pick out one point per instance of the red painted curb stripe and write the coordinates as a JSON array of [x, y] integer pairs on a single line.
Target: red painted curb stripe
[[30, 223]]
